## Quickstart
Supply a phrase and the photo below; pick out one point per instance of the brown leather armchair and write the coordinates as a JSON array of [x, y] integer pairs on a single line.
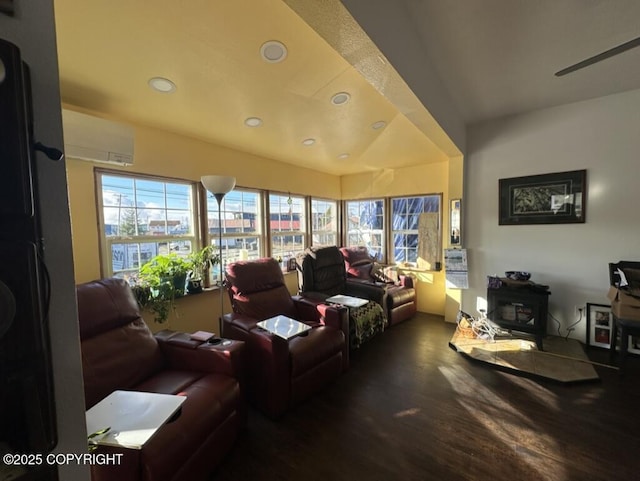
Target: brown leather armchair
[[281, 373], [120, 352], [399, 298]]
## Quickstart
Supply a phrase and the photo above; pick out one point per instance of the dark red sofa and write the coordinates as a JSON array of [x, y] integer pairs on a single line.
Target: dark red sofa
[[119, 352]]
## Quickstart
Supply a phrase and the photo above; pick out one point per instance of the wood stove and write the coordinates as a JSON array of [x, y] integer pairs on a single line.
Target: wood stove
[[520, 306]]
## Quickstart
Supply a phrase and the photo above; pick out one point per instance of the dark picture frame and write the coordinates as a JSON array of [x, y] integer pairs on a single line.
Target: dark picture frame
[[556, 198], [455, 224], [599, 325], [292, 264]]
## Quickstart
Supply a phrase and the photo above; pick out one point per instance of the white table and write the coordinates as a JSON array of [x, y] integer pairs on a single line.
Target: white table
[[133, 416], [284, 326], [348, 301]]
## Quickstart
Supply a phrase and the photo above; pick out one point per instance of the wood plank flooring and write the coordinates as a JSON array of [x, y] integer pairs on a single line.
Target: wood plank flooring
[[410, 408]]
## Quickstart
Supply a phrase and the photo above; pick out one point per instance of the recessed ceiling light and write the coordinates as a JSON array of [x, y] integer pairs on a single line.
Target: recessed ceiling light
[[161, 84], [340, 98], [343, 156], [378, 125], [273, 51], [253, 122], [308, 141]]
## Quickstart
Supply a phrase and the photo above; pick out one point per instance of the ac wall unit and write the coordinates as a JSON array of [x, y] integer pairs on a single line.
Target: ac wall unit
[[99, 140]]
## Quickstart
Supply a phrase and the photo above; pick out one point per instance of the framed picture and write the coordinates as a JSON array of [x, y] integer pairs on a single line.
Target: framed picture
[[557, 198], [599, 325], [454, 223], [291, 264], [634, 344]]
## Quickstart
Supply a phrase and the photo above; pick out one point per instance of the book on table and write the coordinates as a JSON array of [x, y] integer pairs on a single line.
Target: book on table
[[348, 301], [284, 326]]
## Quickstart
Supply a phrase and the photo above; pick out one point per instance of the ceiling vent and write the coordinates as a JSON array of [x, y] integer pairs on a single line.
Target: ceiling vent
[[99, 140]]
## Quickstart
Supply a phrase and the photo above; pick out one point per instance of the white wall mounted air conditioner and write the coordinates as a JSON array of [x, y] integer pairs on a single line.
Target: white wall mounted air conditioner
[[91, 138]]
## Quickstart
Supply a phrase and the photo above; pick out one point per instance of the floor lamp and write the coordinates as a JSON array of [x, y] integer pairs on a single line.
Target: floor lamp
[[219, 186]]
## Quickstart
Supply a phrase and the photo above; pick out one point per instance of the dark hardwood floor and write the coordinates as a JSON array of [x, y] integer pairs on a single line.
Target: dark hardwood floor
[[410, 408]]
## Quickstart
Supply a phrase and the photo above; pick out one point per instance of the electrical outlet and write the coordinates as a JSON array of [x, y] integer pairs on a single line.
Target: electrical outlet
[[578, 311]]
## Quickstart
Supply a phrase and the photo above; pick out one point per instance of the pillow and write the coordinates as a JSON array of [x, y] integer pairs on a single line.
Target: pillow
[[360, 272]]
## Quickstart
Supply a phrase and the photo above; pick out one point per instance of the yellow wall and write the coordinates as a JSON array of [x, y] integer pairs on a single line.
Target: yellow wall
[[166, 154], [453, 297], [433, 178]]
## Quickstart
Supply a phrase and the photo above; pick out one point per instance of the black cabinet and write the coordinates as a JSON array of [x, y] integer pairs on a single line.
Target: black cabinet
[[524, 308]]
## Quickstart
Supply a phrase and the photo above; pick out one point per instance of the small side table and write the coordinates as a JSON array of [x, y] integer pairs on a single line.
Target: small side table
[[133, 416]]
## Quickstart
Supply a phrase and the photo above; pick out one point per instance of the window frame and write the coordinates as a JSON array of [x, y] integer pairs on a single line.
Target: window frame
[[106, 242], [304, 222], [384, 236], [336, 220], [208, 238], [393, 232]]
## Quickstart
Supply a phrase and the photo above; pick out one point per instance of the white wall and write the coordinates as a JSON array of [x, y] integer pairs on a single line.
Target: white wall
[[602, 136], [33, 30]]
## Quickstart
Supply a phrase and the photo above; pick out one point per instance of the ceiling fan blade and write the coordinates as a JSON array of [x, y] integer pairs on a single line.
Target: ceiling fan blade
[[601, 56]]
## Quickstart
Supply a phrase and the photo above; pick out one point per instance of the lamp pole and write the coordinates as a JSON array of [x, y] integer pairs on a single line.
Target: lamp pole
[[219, 186], [219, 198]]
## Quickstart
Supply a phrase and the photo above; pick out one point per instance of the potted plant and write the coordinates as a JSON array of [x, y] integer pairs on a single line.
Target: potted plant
[[200, 261], [164, 278]]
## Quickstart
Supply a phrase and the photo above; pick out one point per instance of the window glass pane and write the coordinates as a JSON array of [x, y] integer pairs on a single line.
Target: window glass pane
[[365, 225], [287, 219], [324, 228], [286, 246], [136, 208], [416, 230], [128, 257], [241, 226]]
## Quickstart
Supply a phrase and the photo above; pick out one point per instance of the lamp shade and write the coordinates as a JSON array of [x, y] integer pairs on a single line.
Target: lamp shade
[[218, 184]]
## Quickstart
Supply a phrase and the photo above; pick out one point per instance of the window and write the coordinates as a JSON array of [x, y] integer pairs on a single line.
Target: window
[[365, 225], [241, 225], [287, 225], [415, 230], [324, 225], [141, 217]]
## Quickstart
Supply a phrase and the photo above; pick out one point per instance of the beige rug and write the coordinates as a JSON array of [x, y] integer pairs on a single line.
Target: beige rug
[[562, 360]]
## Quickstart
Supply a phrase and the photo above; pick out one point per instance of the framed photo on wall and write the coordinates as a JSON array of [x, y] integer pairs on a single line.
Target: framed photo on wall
[[599, 325], [557, 198]]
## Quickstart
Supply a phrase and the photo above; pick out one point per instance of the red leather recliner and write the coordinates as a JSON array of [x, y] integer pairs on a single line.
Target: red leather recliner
[[399, 299], [281, 373], [119, 352]]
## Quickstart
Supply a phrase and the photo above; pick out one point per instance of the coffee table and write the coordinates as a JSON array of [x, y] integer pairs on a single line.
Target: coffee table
[[133, 416]]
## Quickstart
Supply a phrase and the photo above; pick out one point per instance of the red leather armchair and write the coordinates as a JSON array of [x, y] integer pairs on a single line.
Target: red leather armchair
[[399, 299], [281, 373], [120, 352]]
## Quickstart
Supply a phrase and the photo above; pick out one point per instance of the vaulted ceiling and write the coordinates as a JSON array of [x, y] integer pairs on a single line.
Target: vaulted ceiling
[[485, 59]]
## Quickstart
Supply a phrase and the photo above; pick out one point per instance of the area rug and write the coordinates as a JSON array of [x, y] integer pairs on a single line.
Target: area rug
[[561, 360]]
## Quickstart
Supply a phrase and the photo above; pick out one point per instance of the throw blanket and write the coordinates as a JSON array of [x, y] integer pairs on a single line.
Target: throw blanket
[[365, 322]]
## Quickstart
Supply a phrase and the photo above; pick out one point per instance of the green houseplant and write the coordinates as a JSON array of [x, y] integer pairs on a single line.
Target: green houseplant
[[162, 280], [199, 262]]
